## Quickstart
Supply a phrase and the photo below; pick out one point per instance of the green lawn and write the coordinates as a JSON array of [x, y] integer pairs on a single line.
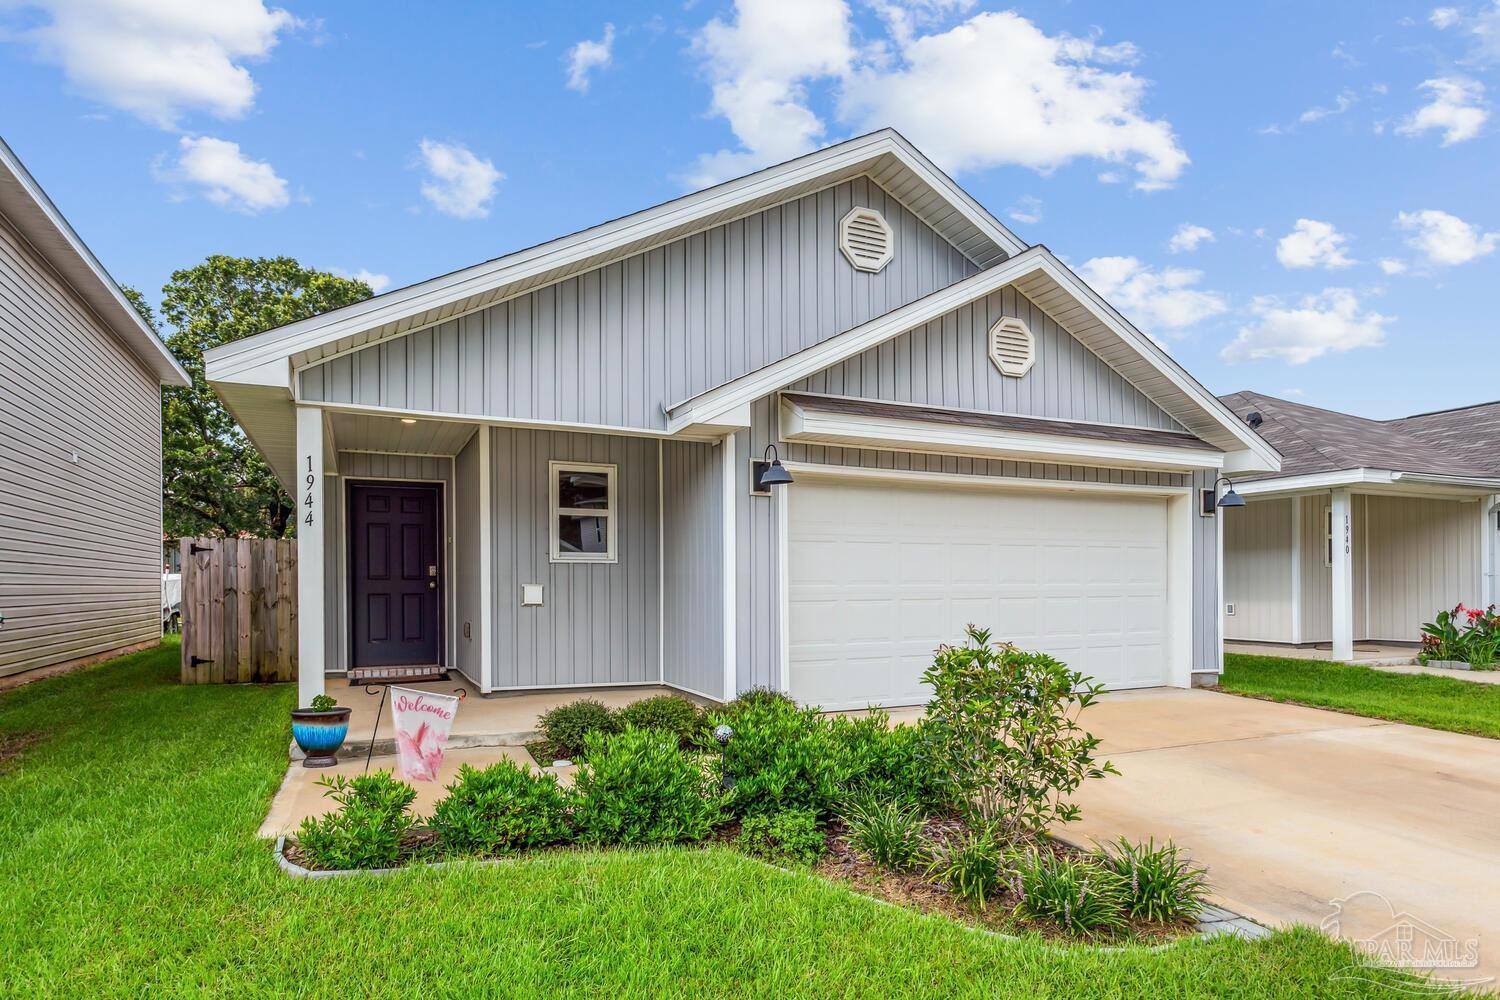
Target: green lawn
[[129, 866], [1419, 699]]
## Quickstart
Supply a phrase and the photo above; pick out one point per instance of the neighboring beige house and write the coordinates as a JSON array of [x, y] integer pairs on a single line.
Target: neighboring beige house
[[80, 445], [1370, 528]]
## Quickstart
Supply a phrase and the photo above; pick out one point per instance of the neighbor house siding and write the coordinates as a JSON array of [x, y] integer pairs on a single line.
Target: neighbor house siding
[[378, 466], [467, 592], [693, 566], [1258, 570], [613, 346], [600, 622], [1424, 557], [80, 539]]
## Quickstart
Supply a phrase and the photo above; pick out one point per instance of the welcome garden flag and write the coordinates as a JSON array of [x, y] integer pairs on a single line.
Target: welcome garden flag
[[423, 721]]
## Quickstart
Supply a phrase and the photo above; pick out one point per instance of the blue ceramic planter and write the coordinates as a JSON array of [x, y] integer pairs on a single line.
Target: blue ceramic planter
[[320, 734]]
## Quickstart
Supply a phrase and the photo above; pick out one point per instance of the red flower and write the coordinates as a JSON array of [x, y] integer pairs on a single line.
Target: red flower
[[1474, 615]]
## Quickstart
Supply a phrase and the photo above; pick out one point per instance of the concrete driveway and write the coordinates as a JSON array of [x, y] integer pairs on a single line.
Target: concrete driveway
[[1293, 808]]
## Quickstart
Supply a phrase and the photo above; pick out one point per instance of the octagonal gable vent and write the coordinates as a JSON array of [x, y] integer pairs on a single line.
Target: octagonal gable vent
[[1012, 347], [866, 239]]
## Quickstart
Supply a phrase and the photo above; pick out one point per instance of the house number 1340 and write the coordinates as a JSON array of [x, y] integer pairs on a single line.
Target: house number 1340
[[307, 501]]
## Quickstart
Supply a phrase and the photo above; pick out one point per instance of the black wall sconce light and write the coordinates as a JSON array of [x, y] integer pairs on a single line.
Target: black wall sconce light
[[768, 472], [1211, 501]]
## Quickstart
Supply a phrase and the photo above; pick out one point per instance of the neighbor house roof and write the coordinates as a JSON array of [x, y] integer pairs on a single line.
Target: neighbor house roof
[[1462, 443], [31, 212]]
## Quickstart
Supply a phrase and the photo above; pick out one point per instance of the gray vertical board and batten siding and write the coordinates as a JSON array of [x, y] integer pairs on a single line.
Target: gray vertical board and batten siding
[[466, 572], [80, 542], [613, 346], [693, 567], [367, 465], [600, 622]]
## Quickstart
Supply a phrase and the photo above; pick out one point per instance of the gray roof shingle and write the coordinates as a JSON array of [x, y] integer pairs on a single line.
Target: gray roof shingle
[[1461, 442]]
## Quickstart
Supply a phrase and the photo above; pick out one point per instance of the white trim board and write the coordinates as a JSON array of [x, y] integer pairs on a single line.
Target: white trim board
[[1382, 481], [905, 434], [811, 470]]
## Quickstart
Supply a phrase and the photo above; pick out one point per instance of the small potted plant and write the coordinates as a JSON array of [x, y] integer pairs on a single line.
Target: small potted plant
[[320, 731]]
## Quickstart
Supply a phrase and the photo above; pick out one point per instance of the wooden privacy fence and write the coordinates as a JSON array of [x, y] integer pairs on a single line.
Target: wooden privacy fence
[[239, 610]]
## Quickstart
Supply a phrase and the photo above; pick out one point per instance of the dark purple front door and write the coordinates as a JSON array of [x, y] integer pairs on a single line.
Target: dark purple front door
[[395, 593]]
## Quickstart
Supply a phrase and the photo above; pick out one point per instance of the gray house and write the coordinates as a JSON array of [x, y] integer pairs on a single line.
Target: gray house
[[1370, 528], [541, 471], [80, 445]]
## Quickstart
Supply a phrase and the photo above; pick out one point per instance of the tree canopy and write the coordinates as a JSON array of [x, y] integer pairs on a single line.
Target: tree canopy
[[214, 481]]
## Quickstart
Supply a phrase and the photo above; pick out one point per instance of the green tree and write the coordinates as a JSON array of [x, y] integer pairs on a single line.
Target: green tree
[[214, 481]]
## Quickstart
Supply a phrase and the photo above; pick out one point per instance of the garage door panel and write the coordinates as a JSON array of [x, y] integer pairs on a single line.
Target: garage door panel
[[881, 574]]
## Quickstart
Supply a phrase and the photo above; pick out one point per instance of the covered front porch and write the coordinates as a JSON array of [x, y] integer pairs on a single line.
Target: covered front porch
[[1350, 567]]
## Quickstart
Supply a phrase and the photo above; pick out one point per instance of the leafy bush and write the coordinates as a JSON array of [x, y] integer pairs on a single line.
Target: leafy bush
[[566, 727], [640, 787], [887, 831], [502, 808], [1077, 894], [889, 762], [973, 866], [366, 830], [1471, 635], [756, 697], [785, 838], [1006, 722], [781, 757], [1160, 883], [666, 712], [323, 703]]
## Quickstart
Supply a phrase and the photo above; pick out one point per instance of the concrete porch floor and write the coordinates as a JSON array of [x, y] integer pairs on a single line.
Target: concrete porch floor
[[1365, 653]]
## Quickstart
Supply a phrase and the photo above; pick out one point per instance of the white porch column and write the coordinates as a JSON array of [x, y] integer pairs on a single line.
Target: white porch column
[[310, 529], [729, 467], [1488, 538], [1343, 576]]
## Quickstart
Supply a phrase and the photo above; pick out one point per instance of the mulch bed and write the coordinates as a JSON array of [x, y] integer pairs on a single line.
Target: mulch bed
[[419, 844]]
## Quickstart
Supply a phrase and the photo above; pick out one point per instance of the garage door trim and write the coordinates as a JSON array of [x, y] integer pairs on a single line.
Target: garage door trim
[[1181, 520]]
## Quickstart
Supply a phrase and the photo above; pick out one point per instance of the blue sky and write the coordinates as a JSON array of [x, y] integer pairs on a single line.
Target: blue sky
[[1327, 170]]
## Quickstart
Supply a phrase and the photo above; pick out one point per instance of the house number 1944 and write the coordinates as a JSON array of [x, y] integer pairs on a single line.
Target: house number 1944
[[307, 501]]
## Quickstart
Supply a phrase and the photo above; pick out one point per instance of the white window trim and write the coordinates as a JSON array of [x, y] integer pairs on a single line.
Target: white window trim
[[611, 513], [1327, 536]]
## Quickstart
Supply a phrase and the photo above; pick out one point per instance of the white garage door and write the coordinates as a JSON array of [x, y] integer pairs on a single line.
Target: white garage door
[[880, 574]]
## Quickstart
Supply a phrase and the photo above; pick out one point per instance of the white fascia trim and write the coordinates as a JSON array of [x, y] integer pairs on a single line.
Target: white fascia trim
[[704, 407], [1315, 482], [904, 434], [487, 421], [813, 470], [597, 241], [124, 322]]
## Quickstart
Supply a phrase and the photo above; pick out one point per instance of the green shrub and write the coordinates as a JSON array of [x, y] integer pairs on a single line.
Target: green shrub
[[786, 838], [566, 727], [887, 831], [1077, 894], [972, 867], [781, 757], [1007, 725], [640, 787], [1160, 883], [755, 698], [500, 809], [890, 762], [366, 830], [666, 712], [323, 703]]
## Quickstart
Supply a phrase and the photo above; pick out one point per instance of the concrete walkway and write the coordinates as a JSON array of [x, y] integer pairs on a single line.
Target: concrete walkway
[[1293, 808]]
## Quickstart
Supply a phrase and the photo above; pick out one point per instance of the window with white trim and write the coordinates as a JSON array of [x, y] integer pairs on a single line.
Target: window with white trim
[[583, 512]]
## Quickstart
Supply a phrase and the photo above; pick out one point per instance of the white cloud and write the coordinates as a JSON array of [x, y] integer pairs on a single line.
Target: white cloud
[[1443, 17], [1330, 321], [1458, 109], [1313, 244], [1481, 28], [226, 176], [1064, 98], [1188, 238], [1445, 239], [158, 59], [1027, 210], [377, 282], [1343, 102], [1161, 302], [1391, 265], [458, 183], [587, 56]]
